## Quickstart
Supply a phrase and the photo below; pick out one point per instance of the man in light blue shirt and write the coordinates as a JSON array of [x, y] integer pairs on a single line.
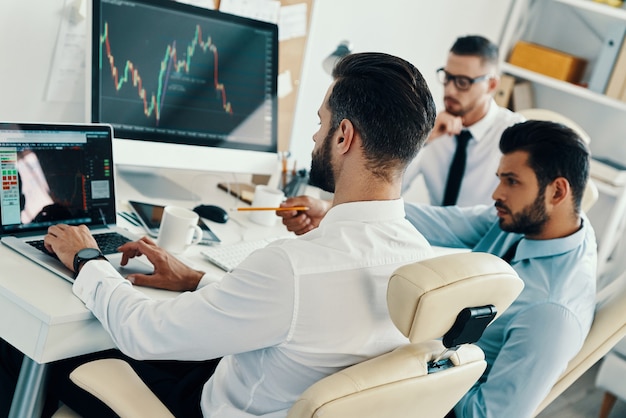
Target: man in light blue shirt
[[537, 225], [542, 176]]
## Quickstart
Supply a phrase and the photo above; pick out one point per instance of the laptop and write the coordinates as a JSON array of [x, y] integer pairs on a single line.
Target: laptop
[[59, 173]]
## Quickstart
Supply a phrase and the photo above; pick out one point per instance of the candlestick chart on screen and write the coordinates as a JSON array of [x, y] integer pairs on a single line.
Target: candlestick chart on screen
[[183, 77]]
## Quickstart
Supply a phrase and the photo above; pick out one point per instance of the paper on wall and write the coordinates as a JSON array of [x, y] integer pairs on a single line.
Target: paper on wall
[[66, 81], [292, 23], [265, 10], [285, 84], [207, 4]]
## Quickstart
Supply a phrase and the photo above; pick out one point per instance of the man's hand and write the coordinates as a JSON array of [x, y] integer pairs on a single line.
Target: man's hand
[[446, 124], [65, 241], [301, 222], [169, 272]]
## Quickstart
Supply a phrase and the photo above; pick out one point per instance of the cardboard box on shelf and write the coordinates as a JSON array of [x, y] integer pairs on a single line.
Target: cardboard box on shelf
[[548, 61]]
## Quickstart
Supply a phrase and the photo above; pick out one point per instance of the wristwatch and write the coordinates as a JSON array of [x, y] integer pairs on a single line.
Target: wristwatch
[[84, 255]]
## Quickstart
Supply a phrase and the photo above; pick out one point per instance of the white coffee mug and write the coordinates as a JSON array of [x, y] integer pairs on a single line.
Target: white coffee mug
[[179, 229], [266, 197]]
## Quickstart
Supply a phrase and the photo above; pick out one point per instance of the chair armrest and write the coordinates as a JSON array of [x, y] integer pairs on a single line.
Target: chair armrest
[[116, 384]]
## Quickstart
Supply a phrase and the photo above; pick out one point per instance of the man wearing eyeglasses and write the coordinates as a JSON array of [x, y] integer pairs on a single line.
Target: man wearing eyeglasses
[[466, 176]]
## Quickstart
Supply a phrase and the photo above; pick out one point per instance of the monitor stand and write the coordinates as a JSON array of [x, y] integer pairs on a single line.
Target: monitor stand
[[154, 185]]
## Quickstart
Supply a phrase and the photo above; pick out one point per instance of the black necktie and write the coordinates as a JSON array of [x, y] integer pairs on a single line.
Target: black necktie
[[510, 253], [457, 169]]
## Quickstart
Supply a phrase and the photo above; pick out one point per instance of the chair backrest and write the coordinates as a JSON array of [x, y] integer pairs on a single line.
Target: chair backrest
[[424, 300], [551, 115], [608, 328]]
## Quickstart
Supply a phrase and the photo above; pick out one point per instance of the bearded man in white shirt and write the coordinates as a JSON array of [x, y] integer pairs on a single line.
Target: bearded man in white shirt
[[297, 310]]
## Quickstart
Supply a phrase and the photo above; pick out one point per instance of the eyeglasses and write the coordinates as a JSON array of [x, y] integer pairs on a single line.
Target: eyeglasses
[[461, 82]]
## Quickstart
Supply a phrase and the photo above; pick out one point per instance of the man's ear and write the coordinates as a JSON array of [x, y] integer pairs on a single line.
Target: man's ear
[[345, 136], [493, 83], [559, 190]]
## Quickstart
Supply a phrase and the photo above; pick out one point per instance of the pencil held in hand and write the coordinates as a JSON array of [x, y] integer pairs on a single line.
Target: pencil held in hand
[[274, 209]]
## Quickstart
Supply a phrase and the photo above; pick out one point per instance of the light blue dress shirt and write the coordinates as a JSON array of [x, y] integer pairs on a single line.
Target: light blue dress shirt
[[529, 346]]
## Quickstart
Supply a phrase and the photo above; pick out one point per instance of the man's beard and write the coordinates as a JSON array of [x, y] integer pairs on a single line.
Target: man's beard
[[321, 174], [460, 111], [530, 220]]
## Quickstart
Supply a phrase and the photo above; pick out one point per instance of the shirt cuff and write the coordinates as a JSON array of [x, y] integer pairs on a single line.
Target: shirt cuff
[[93, 275], [209, 278]]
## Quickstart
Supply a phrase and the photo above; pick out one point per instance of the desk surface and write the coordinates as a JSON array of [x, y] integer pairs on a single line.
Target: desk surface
[[44, 320]]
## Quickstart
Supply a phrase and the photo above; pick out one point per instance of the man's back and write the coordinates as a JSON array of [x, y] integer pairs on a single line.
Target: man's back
[[331, 287]]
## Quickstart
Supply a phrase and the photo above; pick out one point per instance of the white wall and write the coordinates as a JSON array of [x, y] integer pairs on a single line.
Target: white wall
[[420, 31], [28, 34]]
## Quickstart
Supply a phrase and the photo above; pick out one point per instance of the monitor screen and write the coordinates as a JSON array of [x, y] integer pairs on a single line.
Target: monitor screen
[[163, 71]]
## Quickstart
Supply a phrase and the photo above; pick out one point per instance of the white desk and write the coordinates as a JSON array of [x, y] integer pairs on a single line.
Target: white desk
[[42, 318]]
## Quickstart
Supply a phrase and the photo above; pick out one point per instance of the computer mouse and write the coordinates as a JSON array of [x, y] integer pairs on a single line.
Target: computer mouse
[[212, 213]]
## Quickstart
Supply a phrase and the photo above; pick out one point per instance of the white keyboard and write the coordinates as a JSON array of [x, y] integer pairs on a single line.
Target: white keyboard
[[227, 257]]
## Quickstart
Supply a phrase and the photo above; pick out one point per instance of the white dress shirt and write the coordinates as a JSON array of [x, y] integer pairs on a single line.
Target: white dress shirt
[[483, 157], [290, 314]]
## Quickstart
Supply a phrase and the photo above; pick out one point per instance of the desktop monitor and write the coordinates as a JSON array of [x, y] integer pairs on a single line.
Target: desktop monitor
[[183, 87]]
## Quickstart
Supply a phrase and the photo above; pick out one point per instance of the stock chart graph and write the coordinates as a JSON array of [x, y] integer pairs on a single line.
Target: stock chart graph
[[178, 73], [171, 66]]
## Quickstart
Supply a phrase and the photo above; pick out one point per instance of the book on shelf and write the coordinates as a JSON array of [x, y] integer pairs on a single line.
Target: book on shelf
[[622, 94], [522, 96], [608, 171], [617, 81], [504, 91], [603, 67]]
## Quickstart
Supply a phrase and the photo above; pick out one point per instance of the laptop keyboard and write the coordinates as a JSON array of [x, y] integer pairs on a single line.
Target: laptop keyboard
[[108, 242]]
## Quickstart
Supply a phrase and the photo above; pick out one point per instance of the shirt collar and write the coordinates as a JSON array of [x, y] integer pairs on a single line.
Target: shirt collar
[[366, 211], [530, 248], [480, 128]]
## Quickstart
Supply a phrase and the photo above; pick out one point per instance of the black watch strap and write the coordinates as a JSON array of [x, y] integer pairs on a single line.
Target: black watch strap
[[85, 255]]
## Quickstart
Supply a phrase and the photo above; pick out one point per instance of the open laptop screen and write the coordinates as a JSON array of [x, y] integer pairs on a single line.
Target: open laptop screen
[[55, 173]]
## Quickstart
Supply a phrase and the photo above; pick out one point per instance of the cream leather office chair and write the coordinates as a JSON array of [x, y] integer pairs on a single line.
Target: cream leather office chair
[[426, 300]]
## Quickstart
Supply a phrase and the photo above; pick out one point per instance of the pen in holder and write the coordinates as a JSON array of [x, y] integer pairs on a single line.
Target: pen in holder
[[297, 184]]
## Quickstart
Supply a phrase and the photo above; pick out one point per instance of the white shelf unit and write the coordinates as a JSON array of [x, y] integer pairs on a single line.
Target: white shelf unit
[[563, 86], [596, 7]]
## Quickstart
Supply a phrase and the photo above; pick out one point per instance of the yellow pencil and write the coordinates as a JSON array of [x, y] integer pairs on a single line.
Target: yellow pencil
[[279, 209]]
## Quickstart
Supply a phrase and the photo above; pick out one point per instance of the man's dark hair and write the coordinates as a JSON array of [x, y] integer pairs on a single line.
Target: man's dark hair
[[476, 46], [554, 150], [388, 102]]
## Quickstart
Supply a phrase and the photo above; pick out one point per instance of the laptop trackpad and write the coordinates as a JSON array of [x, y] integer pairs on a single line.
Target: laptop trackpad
[[135, 265]]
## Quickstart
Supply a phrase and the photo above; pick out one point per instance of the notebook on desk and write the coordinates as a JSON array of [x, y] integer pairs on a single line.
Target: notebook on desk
[[59, 173]]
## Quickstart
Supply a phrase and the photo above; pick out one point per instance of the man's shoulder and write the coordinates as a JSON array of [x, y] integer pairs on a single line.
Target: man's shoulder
[[507, 116]]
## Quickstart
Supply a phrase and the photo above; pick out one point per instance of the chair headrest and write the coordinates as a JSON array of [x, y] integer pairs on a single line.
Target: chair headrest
[[552, 116], [424, 298]]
